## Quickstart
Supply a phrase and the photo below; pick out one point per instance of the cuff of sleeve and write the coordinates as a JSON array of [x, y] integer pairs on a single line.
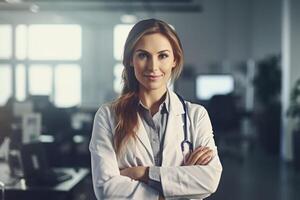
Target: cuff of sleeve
[[154, 179], [154, 173]]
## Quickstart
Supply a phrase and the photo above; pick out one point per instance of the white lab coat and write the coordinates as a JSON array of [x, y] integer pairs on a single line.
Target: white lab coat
[[178, 182]]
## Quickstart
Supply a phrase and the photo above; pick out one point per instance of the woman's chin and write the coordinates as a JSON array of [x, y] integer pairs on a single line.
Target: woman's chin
[[154, 86]]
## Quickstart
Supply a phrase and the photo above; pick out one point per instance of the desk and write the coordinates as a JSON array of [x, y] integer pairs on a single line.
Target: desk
[[67, 190]]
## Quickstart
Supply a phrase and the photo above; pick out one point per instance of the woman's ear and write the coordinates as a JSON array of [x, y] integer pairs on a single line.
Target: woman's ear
[[174, 63]]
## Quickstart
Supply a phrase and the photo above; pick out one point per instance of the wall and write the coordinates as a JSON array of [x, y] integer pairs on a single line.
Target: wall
[[216, 40], [202, 36], [266, 28]]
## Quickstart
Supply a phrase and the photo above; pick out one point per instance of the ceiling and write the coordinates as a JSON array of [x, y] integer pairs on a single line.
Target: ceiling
[[104, 5]]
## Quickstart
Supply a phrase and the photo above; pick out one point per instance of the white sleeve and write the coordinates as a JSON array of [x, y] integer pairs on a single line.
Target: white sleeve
[[107, 181], [198, 181]]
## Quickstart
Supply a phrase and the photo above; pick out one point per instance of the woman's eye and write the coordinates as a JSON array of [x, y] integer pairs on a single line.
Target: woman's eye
[[162, 56], [142, 55]]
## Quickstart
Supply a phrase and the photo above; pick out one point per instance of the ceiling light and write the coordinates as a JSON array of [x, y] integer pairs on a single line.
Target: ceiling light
[[13, 1], [128, 19], [34, 8]]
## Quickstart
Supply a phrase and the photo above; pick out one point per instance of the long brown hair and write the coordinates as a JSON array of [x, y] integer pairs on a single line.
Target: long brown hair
[[126, 106]]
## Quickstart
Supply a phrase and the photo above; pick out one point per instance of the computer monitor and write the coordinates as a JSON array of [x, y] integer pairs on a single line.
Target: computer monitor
[[208, 85], [31, 127], [22, 108]]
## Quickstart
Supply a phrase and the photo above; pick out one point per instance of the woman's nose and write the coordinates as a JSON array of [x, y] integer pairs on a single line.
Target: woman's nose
[[153, 64]]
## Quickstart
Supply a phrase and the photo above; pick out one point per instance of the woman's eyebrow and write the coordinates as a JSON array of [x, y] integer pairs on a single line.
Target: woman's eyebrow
[[164, 51], [142, 50]]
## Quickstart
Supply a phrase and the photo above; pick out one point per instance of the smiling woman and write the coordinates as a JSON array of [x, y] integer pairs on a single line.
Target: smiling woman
[[153, 61], [137, 145]]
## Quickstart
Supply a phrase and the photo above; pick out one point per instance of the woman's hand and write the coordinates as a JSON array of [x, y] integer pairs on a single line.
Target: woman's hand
[[139, 173], [200, 156]]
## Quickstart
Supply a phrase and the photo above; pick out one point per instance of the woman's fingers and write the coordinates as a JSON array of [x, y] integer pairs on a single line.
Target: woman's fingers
[[193, 155], [200, 156], [136, 173], [205, 159]]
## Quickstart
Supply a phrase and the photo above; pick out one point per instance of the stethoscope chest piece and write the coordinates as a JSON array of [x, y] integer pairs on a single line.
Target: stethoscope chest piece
[[186, 147]]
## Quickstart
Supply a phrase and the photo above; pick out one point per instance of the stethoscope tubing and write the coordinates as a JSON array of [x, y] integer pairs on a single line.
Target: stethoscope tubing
[[185, 140]]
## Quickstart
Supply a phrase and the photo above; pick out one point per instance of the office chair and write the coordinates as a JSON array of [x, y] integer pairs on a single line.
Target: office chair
[[226, 121]]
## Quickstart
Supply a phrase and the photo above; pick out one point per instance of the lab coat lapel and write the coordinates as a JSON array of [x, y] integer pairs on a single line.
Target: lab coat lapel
[[174, 127], [143, 138]]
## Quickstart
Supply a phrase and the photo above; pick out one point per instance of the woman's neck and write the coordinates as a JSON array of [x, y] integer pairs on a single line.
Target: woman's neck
[[152, 99]]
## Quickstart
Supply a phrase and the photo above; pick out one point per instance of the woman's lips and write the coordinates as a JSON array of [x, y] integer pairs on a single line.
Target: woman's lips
[[153, 77]]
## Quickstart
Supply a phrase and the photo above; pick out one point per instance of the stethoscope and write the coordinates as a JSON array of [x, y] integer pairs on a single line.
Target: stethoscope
[[185, 143]]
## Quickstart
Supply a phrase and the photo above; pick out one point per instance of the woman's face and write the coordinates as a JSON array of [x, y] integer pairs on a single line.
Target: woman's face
[[153, 61]]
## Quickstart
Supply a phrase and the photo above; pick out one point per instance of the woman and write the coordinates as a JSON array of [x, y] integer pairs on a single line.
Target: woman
[[136, 142]]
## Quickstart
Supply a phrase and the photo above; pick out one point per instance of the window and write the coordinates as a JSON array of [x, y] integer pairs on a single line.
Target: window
[[5, 83], [67, 85], [5, 68], [20, 82], [40, 81], [5, 41], [47, 58], [21, 42], [120, 34], [118, 69], [54, 42]]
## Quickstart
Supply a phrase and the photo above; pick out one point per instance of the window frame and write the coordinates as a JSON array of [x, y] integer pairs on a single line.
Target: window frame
[[26, 62]]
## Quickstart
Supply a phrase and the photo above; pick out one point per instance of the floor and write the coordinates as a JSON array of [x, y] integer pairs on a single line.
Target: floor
[[259, 176]]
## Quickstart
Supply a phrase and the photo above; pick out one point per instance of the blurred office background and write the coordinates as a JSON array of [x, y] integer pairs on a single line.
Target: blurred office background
[[60, 60]]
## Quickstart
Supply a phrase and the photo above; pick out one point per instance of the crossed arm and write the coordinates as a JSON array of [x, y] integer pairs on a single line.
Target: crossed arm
[[200, 156]]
